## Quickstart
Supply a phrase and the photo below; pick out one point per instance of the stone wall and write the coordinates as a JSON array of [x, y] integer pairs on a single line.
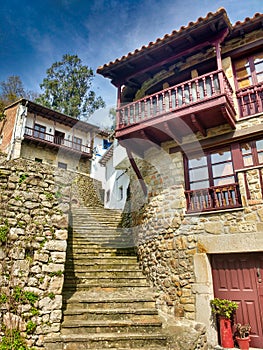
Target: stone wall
[[174, 247], [35, 201], [53, 157]]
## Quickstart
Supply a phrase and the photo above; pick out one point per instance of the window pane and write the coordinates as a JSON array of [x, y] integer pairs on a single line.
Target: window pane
[[260, 157], [222, 169], [221, 156], [248, 160], [197, 162], [243, 73], [258, 61], [198, 174], [259, 145], [198, 185], [246, 148], [224, 181]]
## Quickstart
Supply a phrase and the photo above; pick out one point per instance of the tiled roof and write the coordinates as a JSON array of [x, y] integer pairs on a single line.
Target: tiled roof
[[167, 37], [183, 30]]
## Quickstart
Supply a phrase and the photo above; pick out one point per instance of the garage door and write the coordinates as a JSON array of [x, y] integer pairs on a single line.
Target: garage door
[[239, 277]]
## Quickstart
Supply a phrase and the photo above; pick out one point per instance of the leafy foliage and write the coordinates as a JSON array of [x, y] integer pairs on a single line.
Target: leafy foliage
[[13, 340], [11, 90], [3, 233], [67, 88], [223, 307]]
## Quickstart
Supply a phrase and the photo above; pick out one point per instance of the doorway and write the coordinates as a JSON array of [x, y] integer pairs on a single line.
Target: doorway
[[239, 277]]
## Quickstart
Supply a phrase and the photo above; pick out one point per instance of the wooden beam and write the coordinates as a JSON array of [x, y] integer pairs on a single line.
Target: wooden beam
[[137, 171], [228, 117], [161, 63], [148, 137], [198, 125], [169, 132]]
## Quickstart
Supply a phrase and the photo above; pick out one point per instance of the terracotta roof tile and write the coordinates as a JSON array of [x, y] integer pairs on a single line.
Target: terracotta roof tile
[[165, 37]]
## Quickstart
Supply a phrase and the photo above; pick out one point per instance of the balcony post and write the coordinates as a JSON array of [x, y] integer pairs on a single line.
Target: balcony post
[[118, 106]]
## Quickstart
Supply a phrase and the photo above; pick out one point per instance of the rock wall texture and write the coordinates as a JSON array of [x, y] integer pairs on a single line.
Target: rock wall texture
[[174, 247], [35, 201]]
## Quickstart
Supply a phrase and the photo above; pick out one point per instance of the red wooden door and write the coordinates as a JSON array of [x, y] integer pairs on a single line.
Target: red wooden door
[[239, 277]]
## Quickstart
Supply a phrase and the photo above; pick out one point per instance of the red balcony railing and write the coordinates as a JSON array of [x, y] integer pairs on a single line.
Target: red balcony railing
[[56, 141], [250, 100], [174, 98], [213, 198]]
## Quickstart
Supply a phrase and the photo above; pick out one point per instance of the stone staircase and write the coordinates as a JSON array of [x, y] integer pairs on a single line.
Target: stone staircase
[[108, 303]]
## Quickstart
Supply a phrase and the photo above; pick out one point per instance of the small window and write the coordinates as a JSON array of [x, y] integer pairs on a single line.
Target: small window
[[106, 144], [39, 160], [77, 142], [249, 70], [39, 131], [62, 165], [252, 153], [108, 196], [120, 193]]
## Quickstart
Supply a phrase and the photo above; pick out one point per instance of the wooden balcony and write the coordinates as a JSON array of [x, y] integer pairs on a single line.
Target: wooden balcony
[[49, 140], [250, 100], [189, 107], [213, 198]]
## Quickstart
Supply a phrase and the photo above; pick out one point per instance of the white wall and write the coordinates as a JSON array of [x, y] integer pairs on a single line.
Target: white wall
[[117, 180], [97, 171]]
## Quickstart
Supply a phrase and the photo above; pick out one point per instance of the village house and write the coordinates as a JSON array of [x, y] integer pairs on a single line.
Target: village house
[[116, 180], [35, 132], [190, 115]]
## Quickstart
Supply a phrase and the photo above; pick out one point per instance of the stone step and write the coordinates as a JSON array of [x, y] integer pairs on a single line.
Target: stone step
[[115, 287], [108, 341], [106, 260], [148, 314], [94, 243], [111, 304], [107, 281], [107, 273], [103, 253], [111, 326]]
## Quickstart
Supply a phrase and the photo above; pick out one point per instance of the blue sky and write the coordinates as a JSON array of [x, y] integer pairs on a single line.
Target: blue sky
[[35, 34]]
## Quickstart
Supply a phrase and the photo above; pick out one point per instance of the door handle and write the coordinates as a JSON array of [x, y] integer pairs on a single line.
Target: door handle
[[259, 275]]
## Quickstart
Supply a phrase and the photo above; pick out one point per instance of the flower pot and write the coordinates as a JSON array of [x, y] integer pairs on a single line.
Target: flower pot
[[226, 335], [243, 343]]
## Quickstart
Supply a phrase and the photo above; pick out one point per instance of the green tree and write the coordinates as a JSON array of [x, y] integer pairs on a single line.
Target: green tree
[[12, 89], [67, 88]]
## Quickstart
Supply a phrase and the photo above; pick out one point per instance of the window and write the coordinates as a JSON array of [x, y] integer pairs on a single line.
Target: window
[[106, 144], [39, 160], [77, 142], [120, 193], [39, 131], [108, 196], [252, 153], [62, 165], [249, 71], [59, 137], [210, 181], [212, 169]]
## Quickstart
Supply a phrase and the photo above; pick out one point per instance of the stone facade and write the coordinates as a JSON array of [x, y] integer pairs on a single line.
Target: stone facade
[[173, 246], [35, 200]]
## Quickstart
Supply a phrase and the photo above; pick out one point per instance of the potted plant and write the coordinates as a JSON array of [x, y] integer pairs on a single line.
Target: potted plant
[[242, 335], [224, 310]]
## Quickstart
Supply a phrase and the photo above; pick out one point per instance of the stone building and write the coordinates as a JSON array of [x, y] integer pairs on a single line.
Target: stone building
[[190, 115], [35, 132]]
